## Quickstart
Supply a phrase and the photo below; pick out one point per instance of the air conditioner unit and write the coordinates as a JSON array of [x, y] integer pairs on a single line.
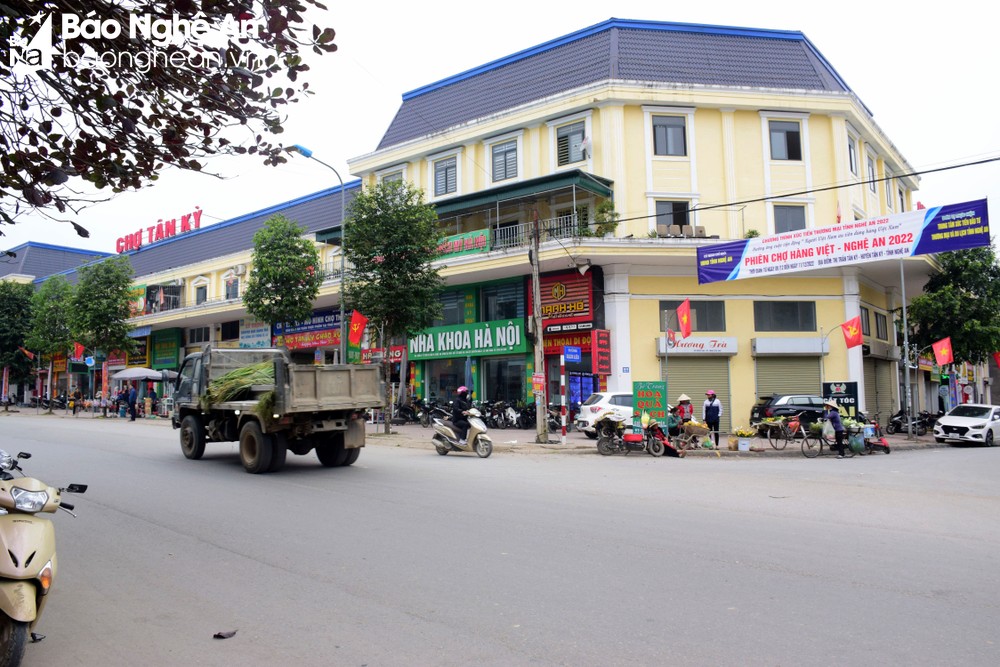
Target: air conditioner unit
[[240, 269]]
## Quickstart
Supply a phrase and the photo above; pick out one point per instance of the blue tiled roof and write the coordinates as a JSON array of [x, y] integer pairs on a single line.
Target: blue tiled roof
[[42, 259], [617, 49]]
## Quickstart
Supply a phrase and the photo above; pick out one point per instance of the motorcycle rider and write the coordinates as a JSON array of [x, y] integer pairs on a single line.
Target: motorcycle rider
[[459, 413]]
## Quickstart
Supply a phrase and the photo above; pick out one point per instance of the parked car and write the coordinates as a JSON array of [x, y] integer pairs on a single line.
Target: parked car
[[597, 403], [786, 405], [969, 422]]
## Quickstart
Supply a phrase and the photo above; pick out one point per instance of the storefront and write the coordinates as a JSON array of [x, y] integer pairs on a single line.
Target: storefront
[[880, 373], [694, 365]]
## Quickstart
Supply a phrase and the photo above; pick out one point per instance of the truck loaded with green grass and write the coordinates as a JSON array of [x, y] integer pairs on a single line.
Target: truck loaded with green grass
[[272, 406]]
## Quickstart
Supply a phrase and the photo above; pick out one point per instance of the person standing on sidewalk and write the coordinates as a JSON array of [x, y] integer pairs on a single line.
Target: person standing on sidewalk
[[832, 415], [131, 403], [711, 414], [685, 411], [77, 400]]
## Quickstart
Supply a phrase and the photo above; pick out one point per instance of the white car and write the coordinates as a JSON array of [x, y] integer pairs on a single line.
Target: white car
[[596, 404], [970, 422]]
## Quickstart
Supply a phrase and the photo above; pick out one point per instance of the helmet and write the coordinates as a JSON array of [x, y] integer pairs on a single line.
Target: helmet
[[463, 389], [710, 393]]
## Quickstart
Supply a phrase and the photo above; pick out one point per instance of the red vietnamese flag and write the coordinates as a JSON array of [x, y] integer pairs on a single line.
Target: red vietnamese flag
[[996, 358], [684, 318], [358, 323], [78, 351], [942, 351], [30, 355], [852, 332]]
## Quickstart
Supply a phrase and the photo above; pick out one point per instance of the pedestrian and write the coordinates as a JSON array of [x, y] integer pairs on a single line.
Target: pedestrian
[[77, 400], [711, 414], [152, 398], [685, 410], [832, 415], [131, 402]]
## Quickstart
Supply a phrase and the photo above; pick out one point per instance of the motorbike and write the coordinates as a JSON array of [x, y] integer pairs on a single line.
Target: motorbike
[[476, 440], [26, 575], [898, 424], [615, 437], [874, 439]]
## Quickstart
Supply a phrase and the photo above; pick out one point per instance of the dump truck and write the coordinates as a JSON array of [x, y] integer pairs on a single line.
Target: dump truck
[[272, 406]]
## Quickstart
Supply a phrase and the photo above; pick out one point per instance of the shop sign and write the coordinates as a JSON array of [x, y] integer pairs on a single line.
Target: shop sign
[[465, 244], [309, 339], [600, 352], [566, 302], [59, 362], [701, 345], [844, 393], [477, 339], [555, 343], [166, 349], [116, 358], [651, 398], [141, 355], [926, 362], [137, 300], [538, 384], [254, 333], [395, 354], [321, 320], [163, 229]]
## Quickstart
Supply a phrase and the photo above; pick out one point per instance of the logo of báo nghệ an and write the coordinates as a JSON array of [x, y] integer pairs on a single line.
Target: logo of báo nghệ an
[[166, 43]]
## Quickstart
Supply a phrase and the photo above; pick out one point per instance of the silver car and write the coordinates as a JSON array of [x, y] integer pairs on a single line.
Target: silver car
[[596, 404], [969, 422]]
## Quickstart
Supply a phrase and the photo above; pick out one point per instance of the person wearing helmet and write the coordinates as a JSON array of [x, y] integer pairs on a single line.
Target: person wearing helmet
[[685, 411], [711, 414], [460, 412]]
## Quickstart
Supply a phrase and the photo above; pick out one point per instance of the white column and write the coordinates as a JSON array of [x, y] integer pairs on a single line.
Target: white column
[[616, 318], [855, 358]]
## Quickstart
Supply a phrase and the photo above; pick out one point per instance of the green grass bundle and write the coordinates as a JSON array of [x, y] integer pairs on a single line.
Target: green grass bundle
[[236, 383]]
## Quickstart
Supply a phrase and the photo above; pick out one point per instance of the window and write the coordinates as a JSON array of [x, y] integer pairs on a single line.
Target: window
[[232, 288], [786, 142], [902, 199], [881, 326], [200, 294], [394, 177], [866, 325], [871, 173], [672, 213], [505, 160], [230, 330], [888, 190], [445, 176], [502, 302], [705, 316], [789, 218], [453, 309], [569, 143], [784, 315], [668, 135], [852, 154], [198, 335]]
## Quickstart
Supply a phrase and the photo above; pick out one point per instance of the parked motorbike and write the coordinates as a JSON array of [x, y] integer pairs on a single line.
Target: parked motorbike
[[874, 439], [476, 440], [615, 437], [26, 575], [898, 424]]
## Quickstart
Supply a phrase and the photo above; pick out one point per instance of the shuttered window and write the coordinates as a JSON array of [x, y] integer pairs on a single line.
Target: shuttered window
[[787, 375], [505, 160], [569, 143], [669, 135], [445, 176]]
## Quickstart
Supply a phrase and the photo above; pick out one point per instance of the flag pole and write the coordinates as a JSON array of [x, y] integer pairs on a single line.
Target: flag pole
[[905, 356]]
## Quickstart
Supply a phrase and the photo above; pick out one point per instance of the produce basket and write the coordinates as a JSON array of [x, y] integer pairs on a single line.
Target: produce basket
[[696, 429]]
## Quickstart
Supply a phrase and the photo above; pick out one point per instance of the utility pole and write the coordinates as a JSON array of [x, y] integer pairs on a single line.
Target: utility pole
[[541, 413]]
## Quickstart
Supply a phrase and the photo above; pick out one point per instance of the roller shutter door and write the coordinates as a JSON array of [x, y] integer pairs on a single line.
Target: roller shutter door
[[879, 383], [787, 375], [693, 376]]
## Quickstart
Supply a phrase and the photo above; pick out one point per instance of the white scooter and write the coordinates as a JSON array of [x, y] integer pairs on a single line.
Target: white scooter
[[445, 440], [29, 544]]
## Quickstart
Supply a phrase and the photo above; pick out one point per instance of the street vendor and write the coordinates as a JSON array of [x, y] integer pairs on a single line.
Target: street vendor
[[832, 415], [685, 411], [674, 422]]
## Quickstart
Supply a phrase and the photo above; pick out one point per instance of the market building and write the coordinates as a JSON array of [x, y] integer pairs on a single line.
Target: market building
[[624, 147]]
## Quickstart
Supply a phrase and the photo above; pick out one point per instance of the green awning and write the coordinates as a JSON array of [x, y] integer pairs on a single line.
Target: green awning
[[601, 187]]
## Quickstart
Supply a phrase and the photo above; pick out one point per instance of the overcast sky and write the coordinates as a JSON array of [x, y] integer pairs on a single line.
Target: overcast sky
[[929, 78]]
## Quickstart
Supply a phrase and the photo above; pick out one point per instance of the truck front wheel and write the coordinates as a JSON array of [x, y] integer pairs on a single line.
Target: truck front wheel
[[192, 437], [256, 448]]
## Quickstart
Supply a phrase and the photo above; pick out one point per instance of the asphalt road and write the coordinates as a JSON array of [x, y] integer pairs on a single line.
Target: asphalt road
[[410, 558]]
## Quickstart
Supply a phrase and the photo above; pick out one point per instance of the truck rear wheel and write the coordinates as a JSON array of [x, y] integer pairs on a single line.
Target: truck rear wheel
[[352, 455], [256, 448], [192, 437], [330, 450], [279, 453]]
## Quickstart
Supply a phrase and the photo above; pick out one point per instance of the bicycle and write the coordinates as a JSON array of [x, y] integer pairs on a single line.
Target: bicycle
[[813, 444], [780, 433]]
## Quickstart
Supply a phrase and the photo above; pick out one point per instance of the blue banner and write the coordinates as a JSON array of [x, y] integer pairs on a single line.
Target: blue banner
[[921, 232]]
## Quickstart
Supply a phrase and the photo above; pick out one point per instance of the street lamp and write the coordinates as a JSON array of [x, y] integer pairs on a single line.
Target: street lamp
[[305, 152]]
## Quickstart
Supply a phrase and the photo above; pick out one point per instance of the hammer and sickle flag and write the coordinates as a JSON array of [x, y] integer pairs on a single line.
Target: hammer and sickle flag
[[942, 352], [852, 332], [358, 323]]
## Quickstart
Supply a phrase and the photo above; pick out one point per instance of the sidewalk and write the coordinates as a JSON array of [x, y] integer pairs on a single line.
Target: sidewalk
[[517, 440]]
